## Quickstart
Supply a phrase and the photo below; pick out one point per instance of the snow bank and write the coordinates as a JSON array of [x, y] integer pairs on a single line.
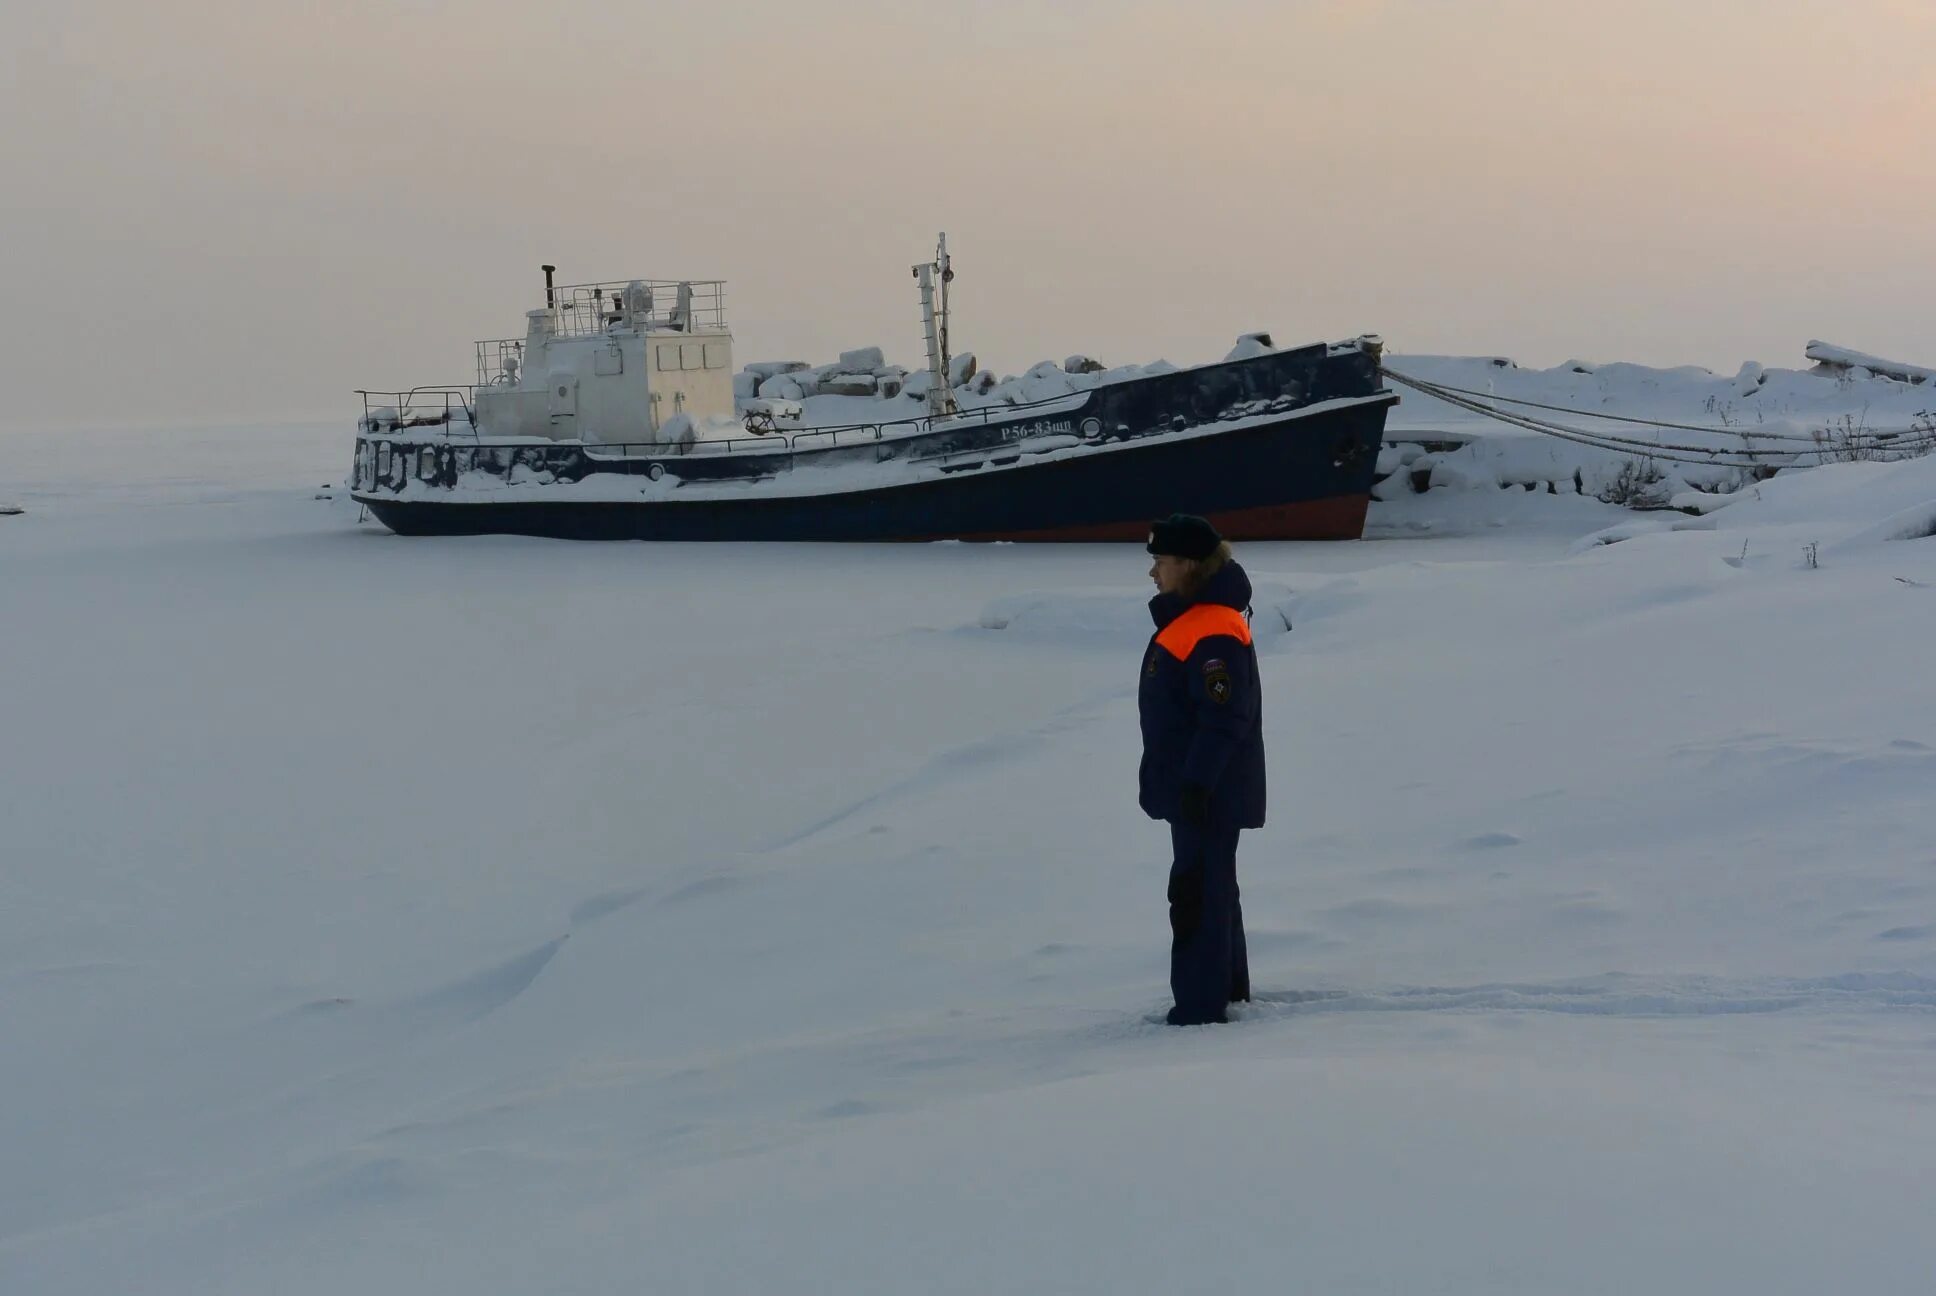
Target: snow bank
[[1787, 412]]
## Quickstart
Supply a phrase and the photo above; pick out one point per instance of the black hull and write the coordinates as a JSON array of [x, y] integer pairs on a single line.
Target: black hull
[[1304, 474]]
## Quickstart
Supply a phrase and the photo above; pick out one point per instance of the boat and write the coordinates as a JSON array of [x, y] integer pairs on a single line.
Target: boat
[[617, 416]]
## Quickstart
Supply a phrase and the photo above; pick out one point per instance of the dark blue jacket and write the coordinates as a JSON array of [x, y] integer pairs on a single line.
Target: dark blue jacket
[[1200, 706]]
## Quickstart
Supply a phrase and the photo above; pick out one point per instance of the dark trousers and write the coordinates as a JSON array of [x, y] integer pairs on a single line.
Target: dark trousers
[[1209, 966]]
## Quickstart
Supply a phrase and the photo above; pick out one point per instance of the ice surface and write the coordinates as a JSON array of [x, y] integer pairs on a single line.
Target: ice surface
[[497, 915]]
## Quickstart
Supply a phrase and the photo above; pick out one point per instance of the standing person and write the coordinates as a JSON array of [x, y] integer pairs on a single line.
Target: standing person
[[1203, 756]]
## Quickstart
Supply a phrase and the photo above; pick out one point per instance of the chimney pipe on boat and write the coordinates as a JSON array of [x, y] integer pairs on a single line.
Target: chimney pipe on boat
[[551, 300]]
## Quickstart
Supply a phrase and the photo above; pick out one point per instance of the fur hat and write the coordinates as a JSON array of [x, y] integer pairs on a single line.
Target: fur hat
[[1183, 535]]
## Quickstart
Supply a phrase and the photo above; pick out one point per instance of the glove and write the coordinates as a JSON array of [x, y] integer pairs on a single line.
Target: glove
[[1193, 807]]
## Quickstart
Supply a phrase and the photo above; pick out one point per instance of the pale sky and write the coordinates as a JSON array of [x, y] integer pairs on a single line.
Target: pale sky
[[242, 211]]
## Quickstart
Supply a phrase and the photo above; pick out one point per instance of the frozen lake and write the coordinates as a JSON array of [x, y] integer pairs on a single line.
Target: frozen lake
[[505, 915]]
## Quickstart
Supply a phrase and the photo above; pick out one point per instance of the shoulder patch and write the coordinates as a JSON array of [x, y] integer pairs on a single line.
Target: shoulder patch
[[1216, 680]]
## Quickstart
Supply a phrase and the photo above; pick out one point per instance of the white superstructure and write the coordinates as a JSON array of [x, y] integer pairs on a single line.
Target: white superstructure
[[608, 363]]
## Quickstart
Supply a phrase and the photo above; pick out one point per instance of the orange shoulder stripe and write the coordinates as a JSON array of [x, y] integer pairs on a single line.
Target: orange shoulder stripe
[[1181, 636]]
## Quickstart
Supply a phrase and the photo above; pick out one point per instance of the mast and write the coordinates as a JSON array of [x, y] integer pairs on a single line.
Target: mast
[[941, 397], [947, 277]]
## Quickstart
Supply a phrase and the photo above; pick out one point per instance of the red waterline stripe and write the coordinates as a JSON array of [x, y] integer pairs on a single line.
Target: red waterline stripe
[[1339, 517]]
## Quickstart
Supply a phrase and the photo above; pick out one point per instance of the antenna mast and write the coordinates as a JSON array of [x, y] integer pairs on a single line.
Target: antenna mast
[[941, 397]]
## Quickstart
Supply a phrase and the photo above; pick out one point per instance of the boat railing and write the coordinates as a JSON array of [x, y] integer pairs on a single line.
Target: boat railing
[[853, 433], [981, 414], [450, 410], [683, 305], [683, 449], [492, 367], [419, 407], [1003, 409]]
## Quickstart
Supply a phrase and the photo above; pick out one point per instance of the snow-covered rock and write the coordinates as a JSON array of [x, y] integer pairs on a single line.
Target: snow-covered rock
[[811, 380], [1393, 484], [769, 368], [784, 387], [961, 368], [1452, 472], [1082, 364], [1830, 358], [861, 360], [849, 384]]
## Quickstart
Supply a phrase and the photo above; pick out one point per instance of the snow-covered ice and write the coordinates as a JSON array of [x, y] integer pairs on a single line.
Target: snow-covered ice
[[505, 915]]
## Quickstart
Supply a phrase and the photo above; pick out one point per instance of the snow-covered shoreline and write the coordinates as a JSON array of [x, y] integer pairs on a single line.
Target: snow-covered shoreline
[[1820, 414]]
